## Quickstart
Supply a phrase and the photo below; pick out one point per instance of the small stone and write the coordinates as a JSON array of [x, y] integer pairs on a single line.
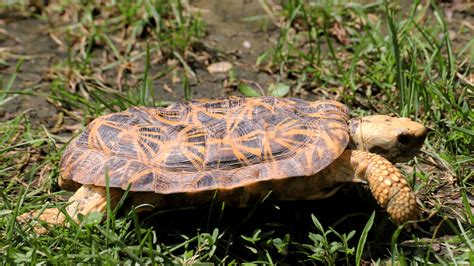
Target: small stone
[[219, 67], [247, 44]]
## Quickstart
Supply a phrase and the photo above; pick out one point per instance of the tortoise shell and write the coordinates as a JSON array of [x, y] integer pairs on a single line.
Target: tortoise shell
[[208, 144]]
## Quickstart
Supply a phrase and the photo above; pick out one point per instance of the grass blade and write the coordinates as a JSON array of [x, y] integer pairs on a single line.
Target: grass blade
[[396, 54], [363, 238]]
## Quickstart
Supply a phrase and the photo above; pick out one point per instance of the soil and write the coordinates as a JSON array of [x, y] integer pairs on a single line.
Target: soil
[[231, 38], [236, 31], [27, 38]]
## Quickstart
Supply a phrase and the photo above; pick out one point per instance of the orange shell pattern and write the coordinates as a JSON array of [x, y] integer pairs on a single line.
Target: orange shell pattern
[[208, 144]]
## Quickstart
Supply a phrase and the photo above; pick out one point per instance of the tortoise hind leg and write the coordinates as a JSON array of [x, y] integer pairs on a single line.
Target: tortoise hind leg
[[386, 183], [90, 198], [87, 199]]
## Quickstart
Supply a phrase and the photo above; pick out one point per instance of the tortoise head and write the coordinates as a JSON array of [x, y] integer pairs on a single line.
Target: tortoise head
[[397, 139]]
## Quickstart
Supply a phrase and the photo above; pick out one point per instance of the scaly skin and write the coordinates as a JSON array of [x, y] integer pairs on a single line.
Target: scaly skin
[[87, 199], [386, 183]]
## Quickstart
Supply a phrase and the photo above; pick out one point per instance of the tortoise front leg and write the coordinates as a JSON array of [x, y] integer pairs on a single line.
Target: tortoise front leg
[[386, 183], [87, 199]]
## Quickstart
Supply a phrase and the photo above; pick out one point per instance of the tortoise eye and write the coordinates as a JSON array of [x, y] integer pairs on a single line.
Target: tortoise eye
[[404, 139]]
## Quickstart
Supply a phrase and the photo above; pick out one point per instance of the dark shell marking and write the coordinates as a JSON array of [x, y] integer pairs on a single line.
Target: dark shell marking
[[208, 144]]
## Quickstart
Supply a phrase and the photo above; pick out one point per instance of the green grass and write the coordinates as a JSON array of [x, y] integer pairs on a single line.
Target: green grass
[[389, 59]]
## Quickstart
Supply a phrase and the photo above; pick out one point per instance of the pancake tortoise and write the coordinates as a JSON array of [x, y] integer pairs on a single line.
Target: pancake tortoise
[[238, 150]]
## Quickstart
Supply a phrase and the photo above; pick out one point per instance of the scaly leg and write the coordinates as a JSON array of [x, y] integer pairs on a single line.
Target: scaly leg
[[386, 183], [87, 199]]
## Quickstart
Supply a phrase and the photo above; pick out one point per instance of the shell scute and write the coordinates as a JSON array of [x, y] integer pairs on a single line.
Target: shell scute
[[208, 144]]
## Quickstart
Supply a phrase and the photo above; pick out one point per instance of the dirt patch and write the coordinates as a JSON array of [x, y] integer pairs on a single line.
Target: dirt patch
[[26, 40], [238, 33]]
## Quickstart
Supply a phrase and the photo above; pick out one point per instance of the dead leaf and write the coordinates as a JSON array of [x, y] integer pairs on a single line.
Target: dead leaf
[[468, 80], [167, 88], [339, 32], [219, 67], [373, 18]]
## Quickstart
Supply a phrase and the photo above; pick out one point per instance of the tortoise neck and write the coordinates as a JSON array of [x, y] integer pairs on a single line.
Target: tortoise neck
[[355, 138]]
